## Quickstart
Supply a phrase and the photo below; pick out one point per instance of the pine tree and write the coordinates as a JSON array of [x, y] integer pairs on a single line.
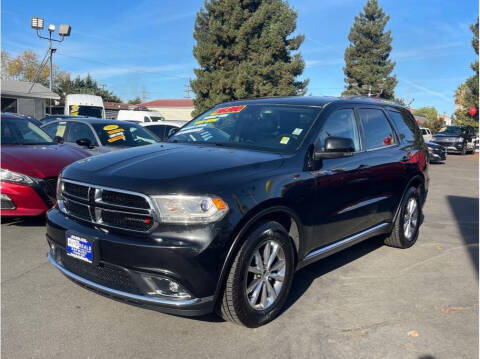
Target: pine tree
[[244, 50], [466, 95], [367, 64]]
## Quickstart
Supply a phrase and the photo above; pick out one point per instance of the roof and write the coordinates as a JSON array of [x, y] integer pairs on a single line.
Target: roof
[[314, 100], [179, 102], [22, 89], [117, 106], [92, 120]]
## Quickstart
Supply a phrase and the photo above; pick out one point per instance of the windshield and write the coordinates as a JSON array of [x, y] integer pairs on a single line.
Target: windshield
[[451, 131], [274, 128], [23, 132], [88, 111], [124, 135]]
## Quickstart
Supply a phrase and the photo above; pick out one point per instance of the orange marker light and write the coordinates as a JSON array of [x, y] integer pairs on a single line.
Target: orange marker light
[[218, 202]]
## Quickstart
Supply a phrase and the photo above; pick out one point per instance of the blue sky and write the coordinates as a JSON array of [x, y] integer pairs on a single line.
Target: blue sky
[[131, 46]]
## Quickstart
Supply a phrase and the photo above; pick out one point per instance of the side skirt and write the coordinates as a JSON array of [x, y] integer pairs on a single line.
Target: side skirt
[[323, 252]]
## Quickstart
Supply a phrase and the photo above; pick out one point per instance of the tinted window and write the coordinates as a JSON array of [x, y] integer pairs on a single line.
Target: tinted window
[[377, 131], [340, 123], [404, 126], [158, 130], [23, 132], [79, 131], [89, 111]]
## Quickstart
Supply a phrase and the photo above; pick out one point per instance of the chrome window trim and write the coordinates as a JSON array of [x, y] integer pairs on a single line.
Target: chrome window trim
[[98, 220]]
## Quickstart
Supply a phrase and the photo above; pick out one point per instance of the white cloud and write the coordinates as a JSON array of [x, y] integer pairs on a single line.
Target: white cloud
[[428, 91]]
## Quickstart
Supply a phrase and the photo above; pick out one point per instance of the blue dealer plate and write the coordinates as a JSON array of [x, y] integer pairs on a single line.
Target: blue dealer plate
[[79, 247]]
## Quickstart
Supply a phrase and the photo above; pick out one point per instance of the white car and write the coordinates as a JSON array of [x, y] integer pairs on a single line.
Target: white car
[[426, 133], [140, 116], [163, 129]]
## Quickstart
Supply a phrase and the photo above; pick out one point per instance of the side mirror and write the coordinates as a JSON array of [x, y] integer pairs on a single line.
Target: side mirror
[[58, 139], [335, 147], [84, 142], [173, 131]]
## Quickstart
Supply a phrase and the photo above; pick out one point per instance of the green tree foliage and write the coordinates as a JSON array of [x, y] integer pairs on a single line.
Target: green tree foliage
[[466, 95], [367, 64], [135, 101], [430, 113], [86, 85], [244, 49]]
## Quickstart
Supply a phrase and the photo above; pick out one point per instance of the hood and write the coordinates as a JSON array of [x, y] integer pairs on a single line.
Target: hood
[[445, 136], [433, 144], [167, 167], [40, 161]]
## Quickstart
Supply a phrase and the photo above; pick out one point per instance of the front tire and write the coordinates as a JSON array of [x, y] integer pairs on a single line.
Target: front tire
[[260, 277], [406, 226]]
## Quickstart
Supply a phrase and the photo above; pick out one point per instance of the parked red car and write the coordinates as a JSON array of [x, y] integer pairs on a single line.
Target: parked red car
[[31, 163]]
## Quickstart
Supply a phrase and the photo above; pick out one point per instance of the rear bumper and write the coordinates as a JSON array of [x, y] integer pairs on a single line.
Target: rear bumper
[[186, 307], [24, 199]]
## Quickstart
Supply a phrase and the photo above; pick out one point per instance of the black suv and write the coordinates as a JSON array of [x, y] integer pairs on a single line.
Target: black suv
[[456, 139], [221, 216]]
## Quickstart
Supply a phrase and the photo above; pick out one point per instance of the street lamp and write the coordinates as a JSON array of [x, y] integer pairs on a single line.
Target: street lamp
[[63, 30]]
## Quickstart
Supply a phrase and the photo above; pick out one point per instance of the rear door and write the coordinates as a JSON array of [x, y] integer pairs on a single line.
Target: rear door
[[381, 161]]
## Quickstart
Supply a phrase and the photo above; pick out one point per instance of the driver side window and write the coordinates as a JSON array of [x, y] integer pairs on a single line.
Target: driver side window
[[340, 123]]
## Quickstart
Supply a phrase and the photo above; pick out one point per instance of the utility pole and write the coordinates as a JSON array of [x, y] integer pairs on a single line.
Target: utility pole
[[187, 89]]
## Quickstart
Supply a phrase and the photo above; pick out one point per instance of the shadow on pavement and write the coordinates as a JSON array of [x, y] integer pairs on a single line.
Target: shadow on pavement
[[465, 212], [24, 221], [305, 276]]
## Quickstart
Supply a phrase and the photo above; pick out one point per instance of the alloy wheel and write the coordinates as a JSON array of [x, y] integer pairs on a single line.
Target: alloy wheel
[[265, 275], [410, 218]]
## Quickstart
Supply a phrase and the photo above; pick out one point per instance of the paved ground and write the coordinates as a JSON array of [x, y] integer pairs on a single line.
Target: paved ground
[[369, 301]]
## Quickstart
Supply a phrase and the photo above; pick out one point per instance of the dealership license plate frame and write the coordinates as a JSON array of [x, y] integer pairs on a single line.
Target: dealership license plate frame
[[80, 247]]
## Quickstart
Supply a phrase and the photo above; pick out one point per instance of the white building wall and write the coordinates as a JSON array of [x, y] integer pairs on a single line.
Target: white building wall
[[174, 113]]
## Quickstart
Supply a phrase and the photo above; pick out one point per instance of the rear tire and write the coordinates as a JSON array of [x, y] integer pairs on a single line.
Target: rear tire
[[406, 226], [238, 303]]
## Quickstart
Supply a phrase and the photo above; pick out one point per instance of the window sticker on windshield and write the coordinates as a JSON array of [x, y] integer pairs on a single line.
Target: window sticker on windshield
[[74, 110], [110, 127], [61, 129], [116, 137], [111, 132], [215, 116], [189, 130], [284, 140], [231, 109], [297, 131]]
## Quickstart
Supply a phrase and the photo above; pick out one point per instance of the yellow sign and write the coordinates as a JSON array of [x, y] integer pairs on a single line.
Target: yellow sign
[[110, 127]]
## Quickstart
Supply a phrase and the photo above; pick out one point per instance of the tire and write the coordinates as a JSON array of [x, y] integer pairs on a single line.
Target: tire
[[398, 238], [464, 150], [234, 304]]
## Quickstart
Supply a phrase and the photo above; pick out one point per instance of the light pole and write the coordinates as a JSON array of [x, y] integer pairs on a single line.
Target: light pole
[[63, 30]]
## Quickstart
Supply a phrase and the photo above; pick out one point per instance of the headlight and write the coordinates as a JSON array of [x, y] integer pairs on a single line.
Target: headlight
[[190, 209], [14, 177]]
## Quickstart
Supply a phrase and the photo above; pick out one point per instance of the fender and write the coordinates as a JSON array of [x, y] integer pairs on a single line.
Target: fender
[[417, 177], [244, 230]]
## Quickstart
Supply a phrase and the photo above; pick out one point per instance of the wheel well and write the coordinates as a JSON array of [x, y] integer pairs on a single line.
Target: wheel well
[[418, 182]]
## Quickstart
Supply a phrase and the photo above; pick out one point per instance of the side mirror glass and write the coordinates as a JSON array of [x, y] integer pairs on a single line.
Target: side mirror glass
[[84, 142], [335, 147]]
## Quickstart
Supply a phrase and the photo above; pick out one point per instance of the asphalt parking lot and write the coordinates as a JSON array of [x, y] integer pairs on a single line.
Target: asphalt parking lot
[[370, 301]]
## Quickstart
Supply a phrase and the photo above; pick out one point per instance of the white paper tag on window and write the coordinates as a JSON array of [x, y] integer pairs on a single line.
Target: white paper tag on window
[[297, 131]]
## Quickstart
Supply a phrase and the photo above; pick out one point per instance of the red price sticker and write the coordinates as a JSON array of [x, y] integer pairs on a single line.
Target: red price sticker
[[231, 109]]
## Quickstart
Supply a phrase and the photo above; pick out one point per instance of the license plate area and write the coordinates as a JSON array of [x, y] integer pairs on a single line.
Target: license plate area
[[79, 246]]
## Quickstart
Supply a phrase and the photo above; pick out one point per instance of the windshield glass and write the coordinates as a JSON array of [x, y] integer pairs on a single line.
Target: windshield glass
[[89, 111], [124, 134], [23, 132], [451, 131], [264, 127]]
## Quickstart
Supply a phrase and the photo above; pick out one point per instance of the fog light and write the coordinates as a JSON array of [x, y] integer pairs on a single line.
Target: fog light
[[7, 202], [166, 287]]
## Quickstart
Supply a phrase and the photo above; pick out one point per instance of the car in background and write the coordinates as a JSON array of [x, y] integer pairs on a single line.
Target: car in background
[[140, 116], [426, 134], [436, 153], [163, 130], [98, 135], [84, 105], [31, 163], [51, 118], [456, 139]]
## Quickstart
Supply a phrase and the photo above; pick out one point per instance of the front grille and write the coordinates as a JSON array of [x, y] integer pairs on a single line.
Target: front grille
[[107, 207], [106, 275]]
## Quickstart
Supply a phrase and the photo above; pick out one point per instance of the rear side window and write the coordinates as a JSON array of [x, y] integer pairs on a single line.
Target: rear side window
[[55, 129], [405, 127], [377, 131], [78, 131]]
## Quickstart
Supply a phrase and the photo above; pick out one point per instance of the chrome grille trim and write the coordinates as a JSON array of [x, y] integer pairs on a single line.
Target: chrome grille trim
[[96, 205]]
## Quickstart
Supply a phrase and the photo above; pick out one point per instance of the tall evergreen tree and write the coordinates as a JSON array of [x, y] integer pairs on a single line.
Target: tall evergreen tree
[[466, 95], [244, 49], [367, 65]]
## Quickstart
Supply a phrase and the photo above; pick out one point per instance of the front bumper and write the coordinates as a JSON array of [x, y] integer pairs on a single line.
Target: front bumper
[[437, 154], [23, 201], [451, 147], [124, 263]]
